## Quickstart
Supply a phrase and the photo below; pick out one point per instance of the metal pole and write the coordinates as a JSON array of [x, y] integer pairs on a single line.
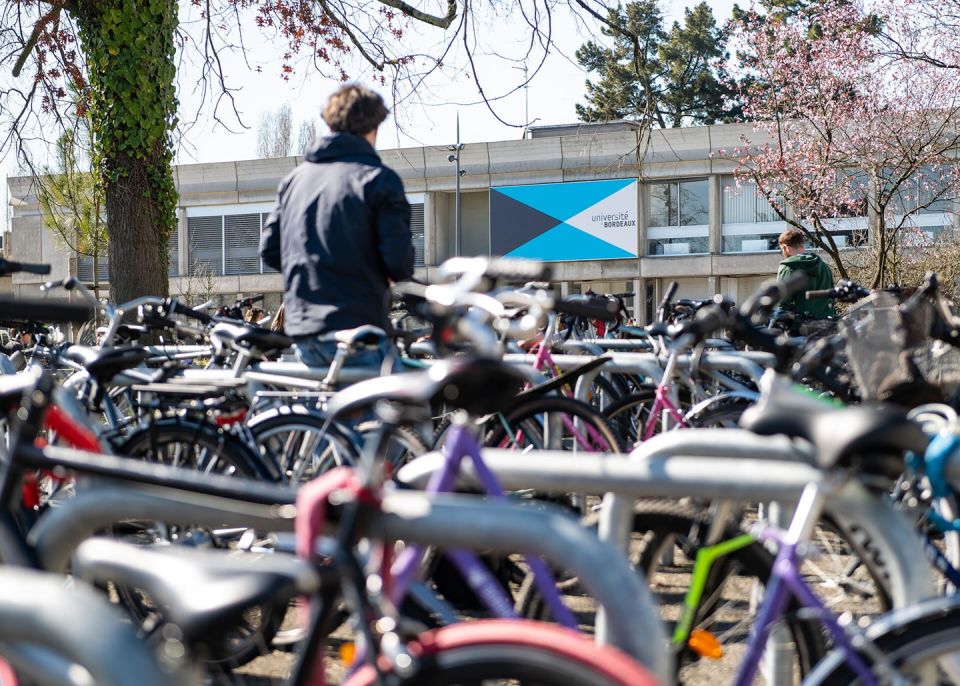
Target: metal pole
[[526, 100], [457, 230]]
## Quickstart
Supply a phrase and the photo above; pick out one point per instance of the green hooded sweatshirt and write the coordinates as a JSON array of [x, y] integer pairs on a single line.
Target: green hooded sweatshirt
[[820, 278]]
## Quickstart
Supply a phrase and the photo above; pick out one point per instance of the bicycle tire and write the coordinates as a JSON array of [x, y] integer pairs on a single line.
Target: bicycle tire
[[253, 635], [907, 647], [524, 416], [517, 652], [225, 453], [628, 416], [290, 434]]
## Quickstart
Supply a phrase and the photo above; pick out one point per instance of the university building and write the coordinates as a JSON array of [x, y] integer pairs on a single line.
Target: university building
[[610, 209]]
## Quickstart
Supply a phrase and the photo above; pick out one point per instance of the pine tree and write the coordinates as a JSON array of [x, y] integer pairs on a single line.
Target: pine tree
[[657, 77]]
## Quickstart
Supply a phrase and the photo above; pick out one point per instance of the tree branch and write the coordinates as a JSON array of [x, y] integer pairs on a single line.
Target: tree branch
[[51, 16], [412, 12]]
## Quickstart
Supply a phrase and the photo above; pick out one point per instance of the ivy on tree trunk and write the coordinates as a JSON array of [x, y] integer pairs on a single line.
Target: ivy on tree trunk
[[129, 45]]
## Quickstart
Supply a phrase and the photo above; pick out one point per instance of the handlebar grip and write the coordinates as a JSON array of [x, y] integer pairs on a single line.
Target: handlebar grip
[[517, 270], [50, 285], [589, 307], [825, 293], [706, 321], [247, 302], [43, 310], [11, 267], [668, 296], [178, 308]]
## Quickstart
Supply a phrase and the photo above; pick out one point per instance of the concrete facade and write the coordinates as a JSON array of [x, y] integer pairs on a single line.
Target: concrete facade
[[550, 155]]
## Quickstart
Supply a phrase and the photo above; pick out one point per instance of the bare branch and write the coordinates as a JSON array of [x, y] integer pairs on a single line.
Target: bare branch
[[443, 22]]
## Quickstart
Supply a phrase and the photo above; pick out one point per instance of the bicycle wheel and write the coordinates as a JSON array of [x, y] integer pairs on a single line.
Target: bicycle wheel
[[514, 652], [302, 442], [192, 444], [922, 651], [551, 423], [628, 416]]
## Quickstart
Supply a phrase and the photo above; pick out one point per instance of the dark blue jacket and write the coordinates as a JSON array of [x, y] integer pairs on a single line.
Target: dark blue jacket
[[340, 230]]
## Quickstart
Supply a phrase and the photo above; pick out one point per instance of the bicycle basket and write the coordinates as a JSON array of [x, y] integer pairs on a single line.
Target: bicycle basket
[[876, 344], [888, 350]]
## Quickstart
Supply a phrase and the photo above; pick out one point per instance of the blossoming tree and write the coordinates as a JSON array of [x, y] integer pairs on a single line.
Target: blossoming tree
[[849, 121]]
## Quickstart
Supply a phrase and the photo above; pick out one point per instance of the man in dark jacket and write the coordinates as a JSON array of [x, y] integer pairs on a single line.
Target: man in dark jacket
[[819, 276], [340, 233]]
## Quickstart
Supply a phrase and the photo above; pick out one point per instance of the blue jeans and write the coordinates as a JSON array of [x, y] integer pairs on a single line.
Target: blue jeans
[[316, 353]]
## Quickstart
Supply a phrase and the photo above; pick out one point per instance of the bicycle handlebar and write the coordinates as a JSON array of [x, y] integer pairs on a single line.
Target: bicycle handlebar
[[43, 310], [588, 307], [249, 301], [8, 267], [774, 292], [845, 291], [665, 302], [176, 307]]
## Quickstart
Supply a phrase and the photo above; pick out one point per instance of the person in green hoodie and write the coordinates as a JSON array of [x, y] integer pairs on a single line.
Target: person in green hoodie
[[796, 258]]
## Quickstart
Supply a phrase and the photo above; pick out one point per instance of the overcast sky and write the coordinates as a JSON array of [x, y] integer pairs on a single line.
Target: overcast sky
[[551, 96]]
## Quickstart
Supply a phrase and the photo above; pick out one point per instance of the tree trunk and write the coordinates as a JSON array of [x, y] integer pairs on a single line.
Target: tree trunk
[[130, 54], [138, 259]]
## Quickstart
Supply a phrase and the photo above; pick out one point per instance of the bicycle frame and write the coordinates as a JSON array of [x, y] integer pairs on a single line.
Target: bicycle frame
[[462, 444], [785, 581], [544, 360]]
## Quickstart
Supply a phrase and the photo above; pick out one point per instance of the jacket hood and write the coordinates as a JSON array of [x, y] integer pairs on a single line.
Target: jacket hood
[[806, 261], [345, 147]]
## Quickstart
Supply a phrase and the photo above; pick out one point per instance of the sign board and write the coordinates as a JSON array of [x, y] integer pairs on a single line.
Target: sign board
[[557, 222]]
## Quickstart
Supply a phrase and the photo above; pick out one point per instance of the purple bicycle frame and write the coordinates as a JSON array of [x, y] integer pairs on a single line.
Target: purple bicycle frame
[[461, 443], [785, 581]]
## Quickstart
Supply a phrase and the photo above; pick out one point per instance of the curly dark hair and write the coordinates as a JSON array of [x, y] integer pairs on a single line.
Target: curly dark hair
[[354, 109]]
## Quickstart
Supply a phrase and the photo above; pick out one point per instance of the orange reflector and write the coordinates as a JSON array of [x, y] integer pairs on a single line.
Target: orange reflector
[[705, 644], [348, 651]]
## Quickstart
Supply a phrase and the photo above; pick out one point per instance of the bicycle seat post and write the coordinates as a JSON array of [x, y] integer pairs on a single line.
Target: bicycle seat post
[[339, 360]]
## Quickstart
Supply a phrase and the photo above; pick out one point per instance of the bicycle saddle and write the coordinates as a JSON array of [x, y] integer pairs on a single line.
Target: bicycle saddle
[[248, 339], [204, 593], [871, 438], [263, 340], [109, 363], [480, 387], [362, 335]]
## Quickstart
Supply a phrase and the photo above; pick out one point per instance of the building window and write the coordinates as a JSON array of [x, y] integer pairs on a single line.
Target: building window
[[173, 253], [678, 218], [750, 224], [417, 233], [225, 241], [264, 268], [85, 268], [206, 245], [241, 250], [931, 189]]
